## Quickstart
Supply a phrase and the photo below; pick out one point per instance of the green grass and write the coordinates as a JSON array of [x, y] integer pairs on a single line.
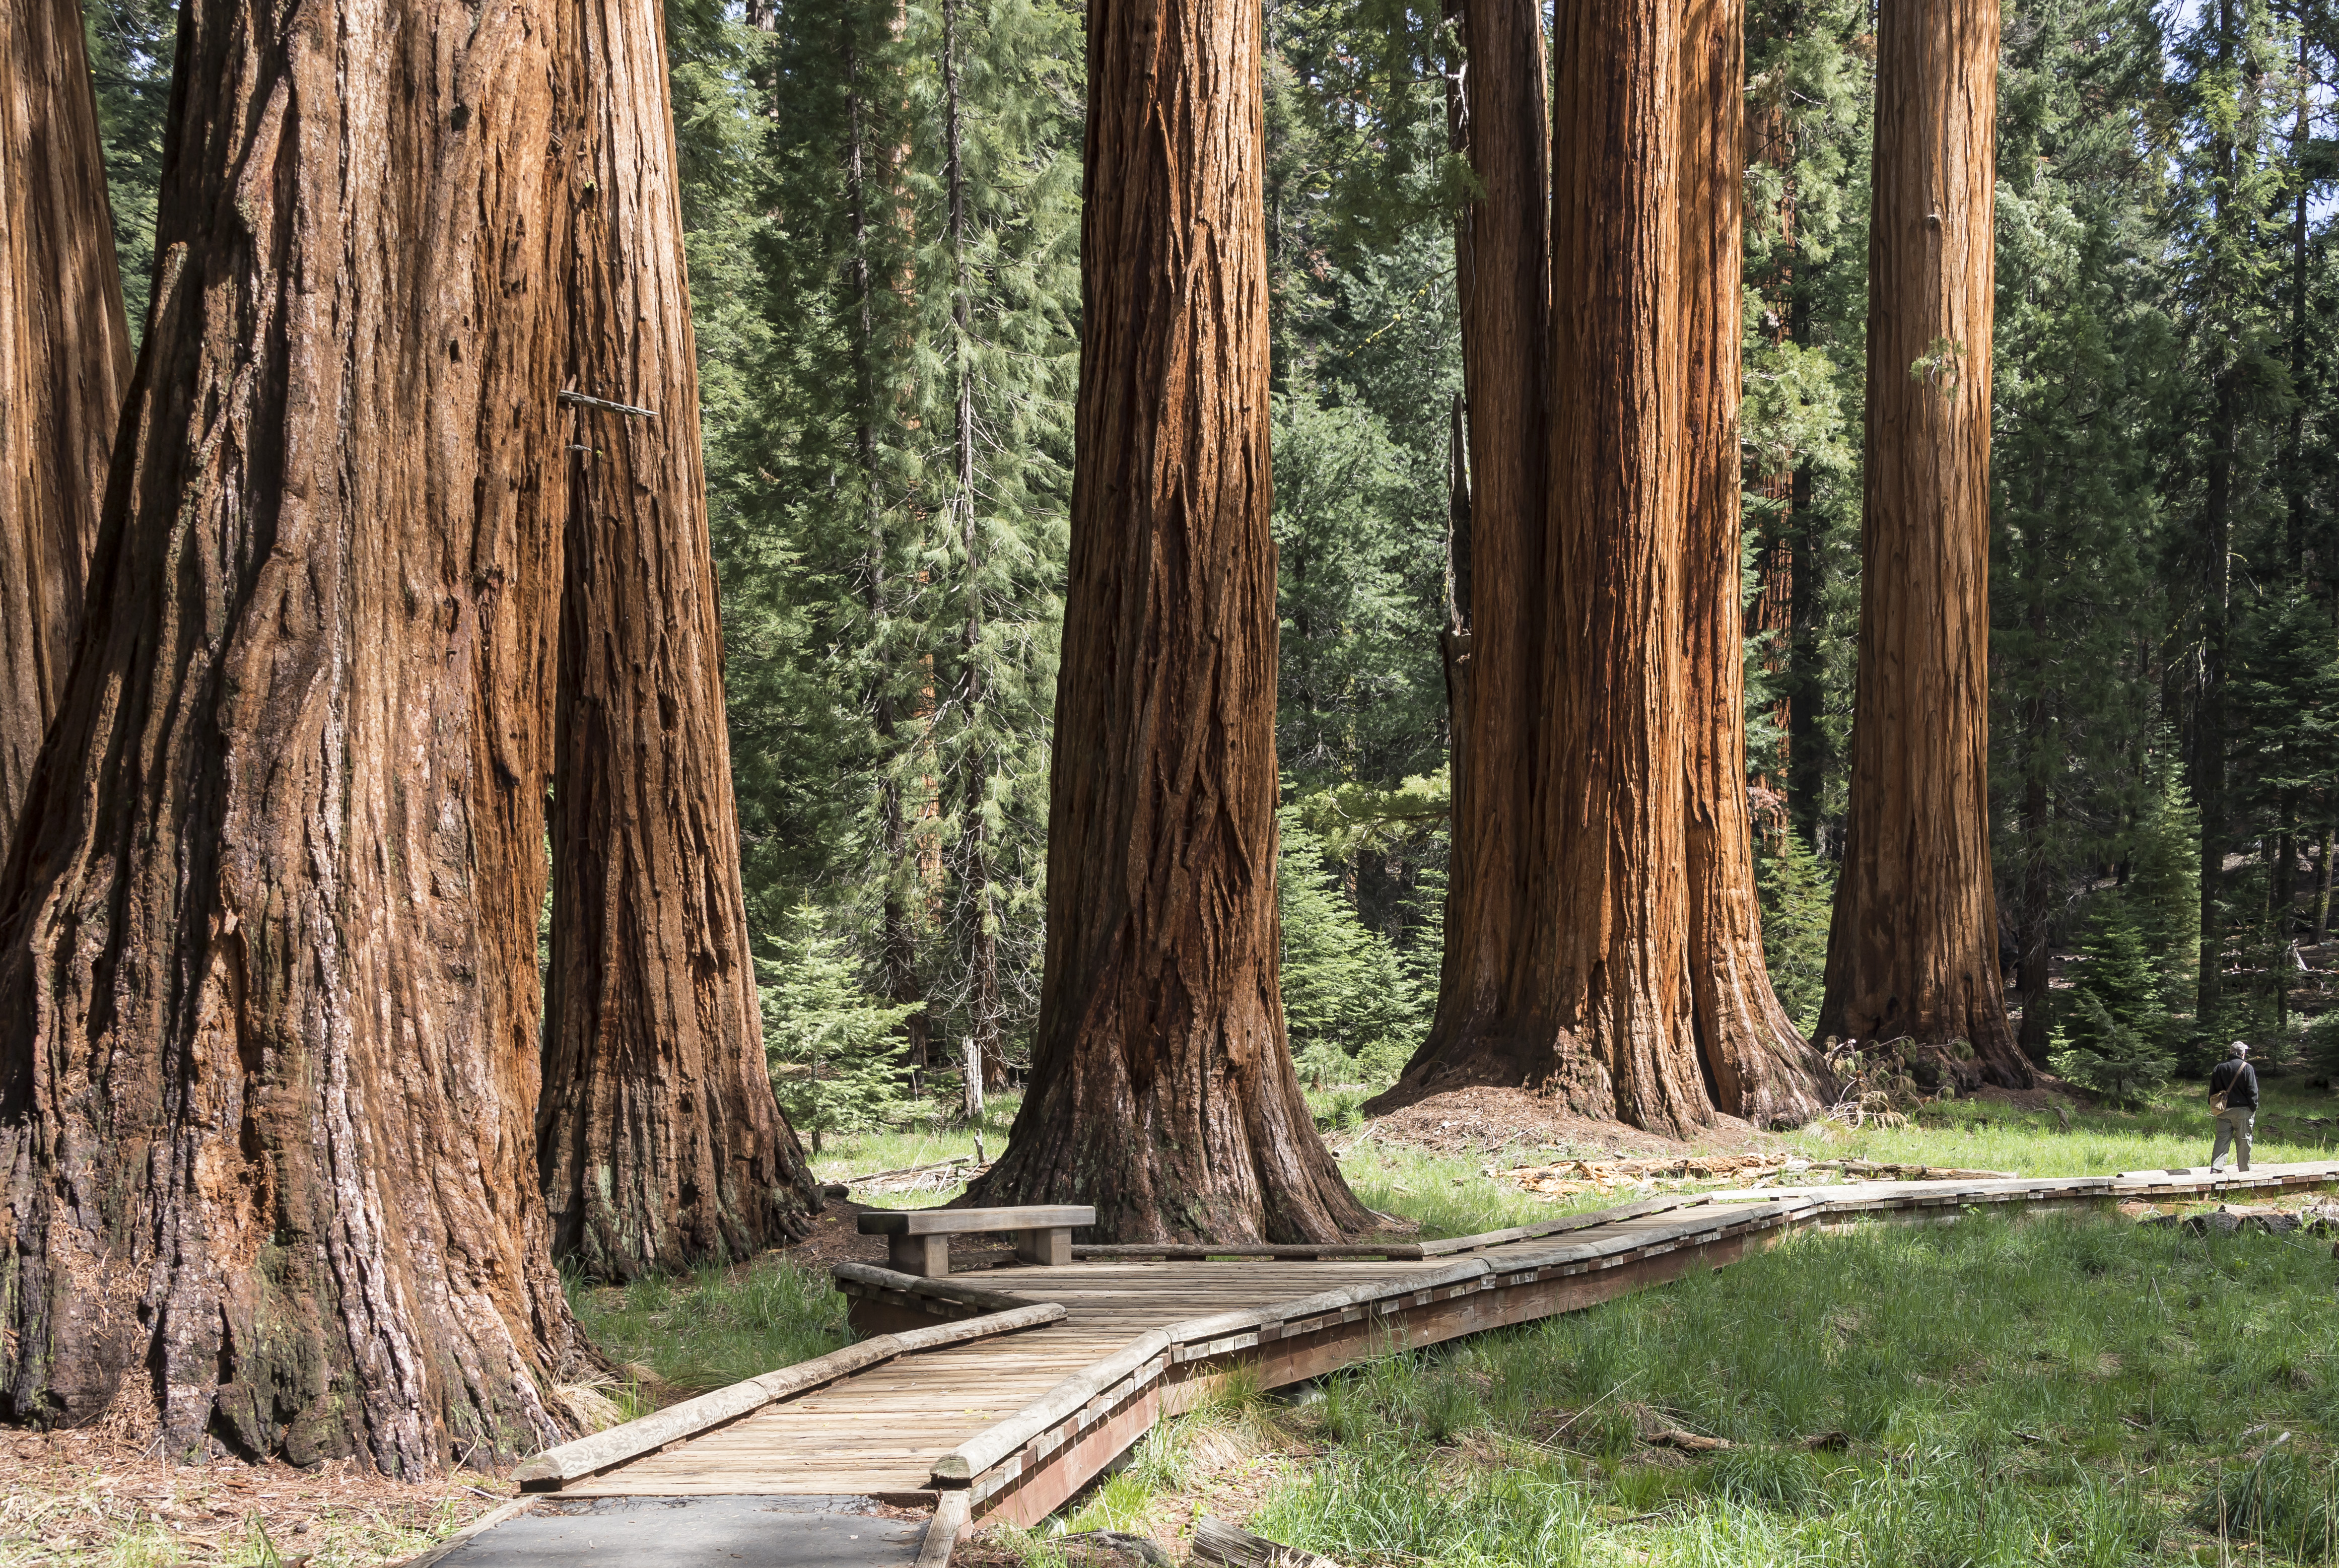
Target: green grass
[[923, 1140], [713, 1327], [2058, 1390], [2174, 1131]]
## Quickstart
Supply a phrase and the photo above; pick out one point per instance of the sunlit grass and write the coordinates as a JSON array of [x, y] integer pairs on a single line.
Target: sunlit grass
[[929, 1135], [2062, 1390], [710, 1329], [2174, 1131]]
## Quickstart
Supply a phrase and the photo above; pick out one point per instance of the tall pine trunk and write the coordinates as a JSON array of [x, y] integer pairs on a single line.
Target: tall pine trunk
[[1761, 1067], [1161, 1088], [268, 955], [64, 364], [985, 1050], [1913, 948], [1499, 118], [659, 1141]]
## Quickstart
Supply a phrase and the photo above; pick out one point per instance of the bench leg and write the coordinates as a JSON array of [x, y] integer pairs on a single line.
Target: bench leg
[[1049, 1249], [928, 1257]]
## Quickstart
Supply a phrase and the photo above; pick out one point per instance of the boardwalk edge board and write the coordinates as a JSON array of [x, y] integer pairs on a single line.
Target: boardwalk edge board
[[995, 1457], [1025, 1466], [556, 1467]]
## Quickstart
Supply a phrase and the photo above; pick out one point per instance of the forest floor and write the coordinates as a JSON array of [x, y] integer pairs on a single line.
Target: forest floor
[[1964, 1444]]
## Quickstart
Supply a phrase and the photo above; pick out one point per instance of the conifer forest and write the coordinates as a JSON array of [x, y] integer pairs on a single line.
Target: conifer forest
[[599, 596]]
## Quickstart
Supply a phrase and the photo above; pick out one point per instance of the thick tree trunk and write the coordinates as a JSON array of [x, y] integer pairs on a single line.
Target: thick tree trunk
[[1161, 1088], [1913, 950], [1614, 884], [64, 364], [268, 955], [1499, 118], [1608, 967], [1762, 1068], [659, 1141]]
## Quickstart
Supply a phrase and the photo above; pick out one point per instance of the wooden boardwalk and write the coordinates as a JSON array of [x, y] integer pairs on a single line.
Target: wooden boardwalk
[[976, 1398]]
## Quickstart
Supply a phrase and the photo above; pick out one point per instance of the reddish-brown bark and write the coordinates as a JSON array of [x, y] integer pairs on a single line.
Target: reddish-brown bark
[[1161, 1088], [659, 1143], [1624, 972], [64, 364], [1500, 120], [1761, 1067], [1913, 950], [267, 941]]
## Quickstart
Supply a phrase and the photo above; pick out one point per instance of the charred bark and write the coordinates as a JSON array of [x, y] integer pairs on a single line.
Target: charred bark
[[1161, 1089], [267, 948], [1913, 950], [65, 365], [659, 1144], [1760, 1065]]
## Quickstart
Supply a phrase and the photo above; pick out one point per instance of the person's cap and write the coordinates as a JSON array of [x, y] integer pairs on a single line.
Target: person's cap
[[2239, 1048]]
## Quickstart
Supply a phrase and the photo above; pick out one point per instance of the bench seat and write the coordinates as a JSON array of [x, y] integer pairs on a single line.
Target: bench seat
[[917, 1240]]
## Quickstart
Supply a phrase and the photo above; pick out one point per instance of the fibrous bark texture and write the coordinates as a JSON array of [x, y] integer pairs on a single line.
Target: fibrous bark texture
[[267, 955], [1161, 1088], [1501, 121], [1610, 947], [1912, 952], [1763, 1068], [64, 364], [659, 1142]]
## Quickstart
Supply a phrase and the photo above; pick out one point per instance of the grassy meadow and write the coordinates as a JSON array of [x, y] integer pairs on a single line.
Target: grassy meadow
[[2052, 1390]]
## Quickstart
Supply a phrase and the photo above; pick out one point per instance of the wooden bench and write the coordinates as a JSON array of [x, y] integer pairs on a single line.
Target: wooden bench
[[917, 1240]]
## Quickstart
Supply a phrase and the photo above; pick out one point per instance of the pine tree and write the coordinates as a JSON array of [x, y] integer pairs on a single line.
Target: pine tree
[[1350, 1005], [834, 1048], [997, 347], [1796, 892], [2161, 849], [896, 557], [2085, 355], [2110, 1041]]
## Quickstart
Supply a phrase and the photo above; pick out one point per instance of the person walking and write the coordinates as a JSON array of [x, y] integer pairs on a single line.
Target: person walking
[[2234, 1096]]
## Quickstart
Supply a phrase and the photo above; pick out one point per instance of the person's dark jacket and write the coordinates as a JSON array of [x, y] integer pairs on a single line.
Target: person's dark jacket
[[2238, 1080]]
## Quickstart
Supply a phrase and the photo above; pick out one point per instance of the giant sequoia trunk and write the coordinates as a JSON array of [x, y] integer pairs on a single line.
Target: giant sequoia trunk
[[1913, 950], [64, 363], [1161, 1087], [1621, 969], [1761, 1067], [1500, 120], [659, 1142], [267, 958]]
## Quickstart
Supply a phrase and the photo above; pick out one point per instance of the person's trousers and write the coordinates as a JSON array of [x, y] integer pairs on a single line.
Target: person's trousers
[[2234, 1128]]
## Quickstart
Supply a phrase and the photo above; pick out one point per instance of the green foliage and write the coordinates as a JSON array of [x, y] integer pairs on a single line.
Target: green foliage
[[1353, 1012], [133, 45], [2111, 1041], [712, 1327], [893, 554], [1797, 892], [2164, 880], [830, 1045]]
